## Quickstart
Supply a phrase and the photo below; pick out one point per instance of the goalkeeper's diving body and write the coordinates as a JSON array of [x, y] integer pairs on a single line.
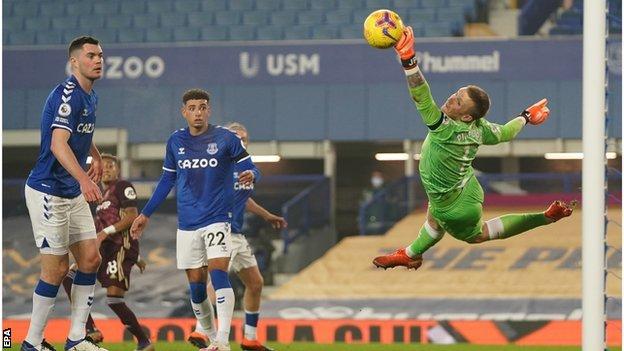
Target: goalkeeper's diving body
[[456, 130]]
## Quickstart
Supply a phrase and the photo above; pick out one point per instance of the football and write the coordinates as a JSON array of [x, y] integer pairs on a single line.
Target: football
[[382, 29]]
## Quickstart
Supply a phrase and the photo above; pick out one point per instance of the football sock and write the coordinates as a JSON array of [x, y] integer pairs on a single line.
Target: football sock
[[225, 303], [81, 301], [513, 224], [68, 281], [128, 318], [43, 303], [251, 324], [203, 310], [427, 237]]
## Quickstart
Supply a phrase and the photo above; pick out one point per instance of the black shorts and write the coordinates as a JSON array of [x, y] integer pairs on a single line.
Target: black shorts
[[116, 265]]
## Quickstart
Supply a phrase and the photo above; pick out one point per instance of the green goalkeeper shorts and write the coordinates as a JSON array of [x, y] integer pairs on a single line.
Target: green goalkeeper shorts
[[462, 217]]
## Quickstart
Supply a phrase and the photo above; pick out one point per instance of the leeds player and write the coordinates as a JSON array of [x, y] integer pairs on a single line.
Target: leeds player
[[456, 130], [243, 261], [57, 192], [199, 161]]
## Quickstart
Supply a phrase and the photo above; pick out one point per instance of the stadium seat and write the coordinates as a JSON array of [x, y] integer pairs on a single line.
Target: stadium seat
[[325, 32], [79, 8], [295, 4], [200, 19], [270, 33], [7, 9], [214, 33], [241, 33], [350, 4], [376, 4], [421, 16], [172, 19], [297, 32], [146, 21], [255, 18], [284, 18], [186, 34], [405, 4], [432, 3], [52, 9], [119, 21], [105, 35], [351, 31], [26, 8], [359, 15], [438, 29], [134, 7], [323, 5], [213, 5], [241, 5], [49, 37], [159, 35], [227, 17], [5, 37], [159, 6], [37, 23], [131, 35], [268, 5], [451, 13], [187, 6], [64, 22], [310, 17], [22, 38], [105, 8], [338, 17], [14, 23]]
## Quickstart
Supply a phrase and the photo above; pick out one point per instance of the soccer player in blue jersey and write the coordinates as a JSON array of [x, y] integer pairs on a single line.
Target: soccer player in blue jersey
[[57, 192], [243, 261], [200, 161]]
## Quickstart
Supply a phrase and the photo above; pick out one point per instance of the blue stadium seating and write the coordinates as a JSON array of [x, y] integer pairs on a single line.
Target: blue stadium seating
[[214, 33], [191, 20]]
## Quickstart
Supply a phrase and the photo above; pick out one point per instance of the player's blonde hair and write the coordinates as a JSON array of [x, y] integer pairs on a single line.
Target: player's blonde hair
[[234, 126]]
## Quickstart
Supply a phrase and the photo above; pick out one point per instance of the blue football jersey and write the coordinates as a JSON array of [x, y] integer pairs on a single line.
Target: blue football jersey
[[204, 167], [241, 194], [71, 108]]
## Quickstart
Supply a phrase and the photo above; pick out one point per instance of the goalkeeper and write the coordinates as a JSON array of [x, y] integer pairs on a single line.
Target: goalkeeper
[[456, 130]]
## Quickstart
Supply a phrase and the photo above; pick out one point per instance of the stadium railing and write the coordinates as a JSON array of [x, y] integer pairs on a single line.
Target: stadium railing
[[308, 210], [390, 204]]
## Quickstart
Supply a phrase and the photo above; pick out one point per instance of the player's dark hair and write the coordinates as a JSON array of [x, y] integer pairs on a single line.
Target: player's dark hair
[[111, 157], [195, 94], [481, 101], [77, 43]]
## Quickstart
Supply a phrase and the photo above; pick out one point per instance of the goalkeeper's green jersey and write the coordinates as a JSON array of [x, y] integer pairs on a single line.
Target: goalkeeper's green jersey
[[447, 153]]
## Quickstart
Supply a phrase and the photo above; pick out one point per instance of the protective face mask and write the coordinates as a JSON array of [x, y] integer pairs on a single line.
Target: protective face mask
[[377, 182]]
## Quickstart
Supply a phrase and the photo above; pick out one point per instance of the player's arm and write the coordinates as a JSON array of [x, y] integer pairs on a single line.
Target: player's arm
[[66, 157], [534, 114], [127, 195], [250, 173], [276, 221], [95, 170], [418, 86]]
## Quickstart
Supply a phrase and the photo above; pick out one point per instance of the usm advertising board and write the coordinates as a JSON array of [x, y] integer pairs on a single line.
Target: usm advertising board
[[319, 86]]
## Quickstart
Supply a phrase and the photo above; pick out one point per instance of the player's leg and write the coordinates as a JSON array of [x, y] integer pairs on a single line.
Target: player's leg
[[83, 246], [191, 256], [244, 263], [218, 243], [93, 333], [202, 304], [115, 300], [510, 225], [48, 215], [411, 256]]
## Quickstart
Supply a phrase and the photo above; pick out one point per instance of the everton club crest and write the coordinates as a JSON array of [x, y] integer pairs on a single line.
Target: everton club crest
[[212, 148]]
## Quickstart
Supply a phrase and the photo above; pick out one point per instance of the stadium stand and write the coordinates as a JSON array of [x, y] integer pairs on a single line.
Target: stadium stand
[[128, 21]]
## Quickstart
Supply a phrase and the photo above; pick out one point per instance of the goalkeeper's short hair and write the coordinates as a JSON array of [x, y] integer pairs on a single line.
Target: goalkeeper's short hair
[[481, 101]]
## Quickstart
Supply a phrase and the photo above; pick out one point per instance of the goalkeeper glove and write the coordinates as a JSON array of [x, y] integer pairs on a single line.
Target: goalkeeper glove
[[536, 113], [405, 48]]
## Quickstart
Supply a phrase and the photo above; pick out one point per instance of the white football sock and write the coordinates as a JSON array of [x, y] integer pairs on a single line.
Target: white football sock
[[204, 313], [81, 301], [42, 306], [225, 310]]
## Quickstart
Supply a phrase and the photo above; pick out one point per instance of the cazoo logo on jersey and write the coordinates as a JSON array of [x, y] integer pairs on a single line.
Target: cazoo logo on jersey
[[133, 67], [197, 163], [279, 64]]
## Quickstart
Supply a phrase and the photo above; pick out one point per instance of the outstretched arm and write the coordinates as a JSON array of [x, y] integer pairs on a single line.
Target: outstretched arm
[[418, 87], [276, 221], [495, 133]]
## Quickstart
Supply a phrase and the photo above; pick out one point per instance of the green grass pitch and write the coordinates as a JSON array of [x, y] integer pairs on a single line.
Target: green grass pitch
[[180, 346]]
